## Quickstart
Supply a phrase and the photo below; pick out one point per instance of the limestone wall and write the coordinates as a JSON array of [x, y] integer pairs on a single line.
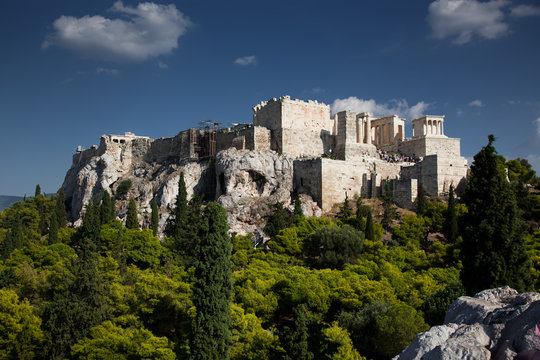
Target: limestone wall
[[437, 173], [423, 146], [303, 142], [307, 178], [246, 138], [169, 149]]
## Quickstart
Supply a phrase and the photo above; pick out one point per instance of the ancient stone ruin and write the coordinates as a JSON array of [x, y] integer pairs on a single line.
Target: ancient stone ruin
[[290, 147]]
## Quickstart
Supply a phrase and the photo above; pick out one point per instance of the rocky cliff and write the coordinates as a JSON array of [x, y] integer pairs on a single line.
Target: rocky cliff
[[494, 324], [244, 182]]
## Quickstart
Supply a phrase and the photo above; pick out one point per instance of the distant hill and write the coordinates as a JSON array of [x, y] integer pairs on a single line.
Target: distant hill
[[7, 201]]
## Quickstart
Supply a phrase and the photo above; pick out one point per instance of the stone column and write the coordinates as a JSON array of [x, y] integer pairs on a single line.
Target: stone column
[[368, 129]]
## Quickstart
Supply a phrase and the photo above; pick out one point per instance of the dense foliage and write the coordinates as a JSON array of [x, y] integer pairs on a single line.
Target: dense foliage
[[320, 288]]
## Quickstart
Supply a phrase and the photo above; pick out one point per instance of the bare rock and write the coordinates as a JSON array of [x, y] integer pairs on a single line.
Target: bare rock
[[497, 323]]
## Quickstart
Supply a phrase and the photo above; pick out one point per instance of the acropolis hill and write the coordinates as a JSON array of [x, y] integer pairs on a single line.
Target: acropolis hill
[[291, 147]]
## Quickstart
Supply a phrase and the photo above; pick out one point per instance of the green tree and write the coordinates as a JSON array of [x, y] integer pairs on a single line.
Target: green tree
[[370, 233], [60, 208], [155, 218], [298, 212], [389, 209], [53, 230], [451, 223], [20, 332], [107, 212], [123, 188], [74, 310], [345, 211], [493, 251], [15, 236], [333, 247], [132, 222], [212, 289], [296, 337], [87, 240], [421, 201], [111, 341], [38, 190], [279, 220], [520, 170]]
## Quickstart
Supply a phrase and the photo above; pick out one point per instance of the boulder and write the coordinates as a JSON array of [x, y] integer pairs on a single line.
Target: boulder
[[494, 324]]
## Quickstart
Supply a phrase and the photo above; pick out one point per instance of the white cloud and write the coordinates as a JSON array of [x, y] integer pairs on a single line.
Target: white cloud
[[537, 122], [477, 103], [461, 19], [246, 60], [398, 107], [162, 65], [142, 32], [106, 71], [525, 10]]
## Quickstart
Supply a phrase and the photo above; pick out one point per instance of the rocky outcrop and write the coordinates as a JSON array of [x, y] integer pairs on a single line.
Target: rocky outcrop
[[494, 324], [245, 182], [249, 182]]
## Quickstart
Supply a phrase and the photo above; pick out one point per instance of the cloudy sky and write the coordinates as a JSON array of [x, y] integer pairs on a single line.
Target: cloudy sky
[[73, 70]]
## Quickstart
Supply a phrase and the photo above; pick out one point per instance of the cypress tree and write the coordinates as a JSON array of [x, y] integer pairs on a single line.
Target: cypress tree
[[297, 337], [493, 252], [421, 201], [451, 223], [60, 208], [279, 220], [389, 210], [346, 211], [7, 245], [155, 218], [370, 234], [38, 190], [212, 290], [106, 211], [298, 212], [53, 230], [180, 211], [132, 222], [17, 233], [88, 238], [362, 211]]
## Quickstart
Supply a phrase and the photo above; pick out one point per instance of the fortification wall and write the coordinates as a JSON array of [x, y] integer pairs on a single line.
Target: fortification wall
[[268, 114], [424, 146], [303, 142], [437, 173], [247, 138], [307, 178], [169, 149]]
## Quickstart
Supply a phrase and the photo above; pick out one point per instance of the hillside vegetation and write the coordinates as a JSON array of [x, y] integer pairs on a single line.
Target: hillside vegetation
[[360, 285]]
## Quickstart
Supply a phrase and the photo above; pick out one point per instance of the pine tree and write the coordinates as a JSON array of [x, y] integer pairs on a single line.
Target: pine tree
[[362, 212], [132, 222], [493, 252], [155, 218], [53, 230], [106, 210], [212, 290], [38, 190], [60, 208], [421, 201], [451, 224], [345, 211], [370, 234]]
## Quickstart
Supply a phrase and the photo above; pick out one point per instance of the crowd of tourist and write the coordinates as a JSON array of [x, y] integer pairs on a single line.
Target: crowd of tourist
[[396, 157]]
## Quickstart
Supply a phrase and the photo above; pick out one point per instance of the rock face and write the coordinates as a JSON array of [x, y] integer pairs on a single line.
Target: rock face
[[244, 182], [494, 324], [248, 182]]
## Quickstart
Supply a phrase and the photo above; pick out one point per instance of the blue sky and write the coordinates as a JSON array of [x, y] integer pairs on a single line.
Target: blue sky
[[73, 70]]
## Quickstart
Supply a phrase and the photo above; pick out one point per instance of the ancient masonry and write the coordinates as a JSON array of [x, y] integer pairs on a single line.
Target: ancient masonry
[[329, 156]]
